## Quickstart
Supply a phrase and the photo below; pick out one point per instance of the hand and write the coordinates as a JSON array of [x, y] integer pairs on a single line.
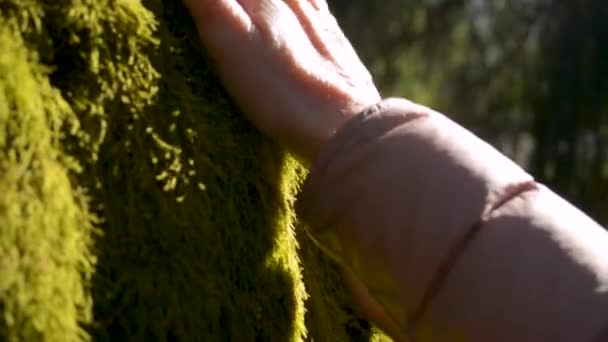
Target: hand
[[288, 66]]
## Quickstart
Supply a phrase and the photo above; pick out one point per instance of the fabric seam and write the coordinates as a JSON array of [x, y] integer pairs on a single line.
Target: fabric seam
[[457, 251]]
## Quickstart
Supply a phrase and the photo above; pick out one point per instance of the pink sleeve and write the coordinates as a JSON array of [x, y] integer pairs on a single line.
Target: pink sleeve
[[450, 237]]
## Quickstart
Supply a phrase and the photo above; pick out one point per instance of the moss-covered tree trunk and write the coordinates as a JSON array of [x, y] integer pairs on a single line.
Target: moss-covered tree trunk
[[136, 204]]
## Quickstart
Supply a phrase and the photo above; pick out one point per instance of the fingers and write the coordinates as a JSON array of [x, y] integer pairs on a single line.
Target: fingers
[[212, 16], [224, 27], [280, 28], [264, 13], [309, 16], [272, 18], [323, 30]]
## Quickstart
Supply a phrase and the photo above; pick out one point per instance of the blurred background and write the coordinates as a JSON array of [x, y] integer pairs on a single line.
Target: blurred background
[[529, 76]]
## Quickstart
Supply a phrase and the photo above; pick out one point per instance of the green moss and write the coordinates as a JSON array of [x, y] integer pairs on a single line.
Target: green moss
[[45, 227], [137, 204]]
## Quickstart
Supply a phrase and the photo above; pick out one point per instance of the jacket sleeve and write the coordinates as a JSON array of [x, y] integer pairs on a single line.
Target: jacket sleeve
[[450, 237]]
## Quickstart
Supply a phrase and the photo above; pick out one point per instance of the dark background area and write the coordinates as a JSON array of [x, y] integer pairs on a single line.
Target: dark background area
[[529, 76]]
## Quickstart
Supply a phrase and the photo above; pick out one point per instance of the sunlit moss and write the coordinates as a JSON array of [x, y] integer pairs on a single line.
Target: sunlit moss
[[45, 227], [136, 203]]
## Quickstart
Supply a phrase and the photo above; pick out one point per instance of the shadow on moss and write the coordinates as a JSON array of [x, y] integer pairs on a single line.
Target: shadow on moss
[[195, 232], [196, 244]]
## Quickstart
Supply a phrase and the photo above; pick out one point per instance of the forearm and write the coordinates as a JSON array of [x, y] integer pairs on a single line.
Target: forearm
[[396, 190]]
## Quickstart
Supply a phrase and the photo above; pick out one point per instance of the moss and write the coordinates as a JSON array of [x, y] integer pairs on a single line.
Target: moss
[[45, 227], [137, 204]]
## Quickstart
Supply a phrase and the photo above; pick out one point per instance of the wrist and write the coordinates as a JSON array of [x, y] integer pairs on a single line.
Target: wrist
[[306, 138]]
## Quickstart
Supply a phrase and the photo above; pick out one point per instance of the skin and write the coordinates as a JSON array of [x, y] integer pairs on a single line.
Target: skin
[[293, 73], [287, 65]]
